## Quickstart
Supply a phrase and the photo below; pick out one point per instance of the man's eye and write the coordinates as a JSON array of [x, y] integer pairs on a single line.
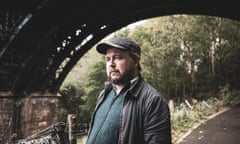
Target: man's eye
[[117, 57], [107, 59]]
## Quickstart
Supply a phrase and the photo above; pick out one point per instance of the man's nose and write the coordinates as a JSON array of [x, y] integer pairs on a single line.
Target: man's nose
[[112, 63]]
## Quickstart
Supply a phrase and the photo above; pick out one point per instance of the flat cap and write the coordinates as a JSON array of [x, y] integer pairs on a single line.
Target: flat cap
[[122, 43]]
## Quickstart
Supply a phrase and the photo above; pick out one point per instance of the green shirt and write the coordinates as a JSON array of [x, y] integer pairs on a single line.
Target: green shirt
[[107, 119]]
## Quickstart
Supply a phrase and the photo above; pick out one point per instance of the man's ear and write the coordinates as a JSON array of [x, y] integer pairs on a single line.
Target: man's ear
[[137, 61]]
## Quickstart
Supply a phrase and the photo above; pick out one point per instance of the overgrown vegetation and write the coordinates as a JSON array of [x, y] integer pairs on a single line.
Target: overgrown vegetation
[[185, 117]]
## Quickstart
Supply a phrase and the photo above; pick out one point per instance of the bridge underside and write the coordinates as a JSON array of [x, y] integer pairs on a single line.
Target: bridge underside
[[41, 40]]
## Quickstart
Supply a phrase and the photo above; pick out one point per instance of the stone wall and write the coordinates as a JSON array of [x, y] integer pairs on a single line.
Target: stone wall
[[6, 118], [23, 117], [37, 114]]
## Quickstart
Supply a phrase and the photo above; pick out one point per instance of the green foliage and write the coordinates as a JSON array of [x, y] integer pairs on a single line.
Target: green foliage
[[71, 101], [183, 54], [228, 96], [184, 117], [74, 88], [97, 77]]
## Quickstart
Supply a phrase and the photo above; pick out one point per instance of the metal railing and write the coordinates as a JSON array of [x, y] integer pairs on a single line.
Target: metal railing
[[55, 134]]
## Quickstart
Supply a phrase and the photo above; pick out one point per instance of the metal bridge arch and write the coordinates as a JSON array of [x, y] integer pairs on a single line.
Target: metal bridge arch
[[42, 40]]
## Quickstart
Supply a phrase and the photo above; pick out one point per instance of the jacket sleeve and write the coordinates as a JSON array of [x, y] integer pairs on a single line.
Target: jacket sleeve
[[157, 126]]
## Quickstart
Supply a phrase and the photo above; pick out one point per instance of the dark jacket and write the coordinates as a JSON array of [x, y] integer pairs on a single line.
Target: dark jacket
[[145, 117]]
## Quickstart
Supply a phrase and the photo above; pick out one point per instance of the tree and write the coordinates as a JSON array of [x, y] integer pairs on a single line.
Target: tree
[[184, 54], [71, 101], [96, 78]]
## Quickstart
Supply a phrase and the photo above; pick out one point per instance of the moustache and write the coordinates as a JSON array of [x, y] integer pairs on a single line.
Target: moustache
[[114, 70]]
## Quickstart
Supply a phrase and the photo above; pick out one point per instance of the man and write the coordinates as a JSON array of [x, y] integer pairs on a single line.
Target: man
[[128, 110]]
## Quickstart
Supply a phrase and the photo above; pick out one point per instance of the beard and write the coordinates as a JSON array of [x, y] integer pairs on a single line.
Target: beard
[[118, 78]]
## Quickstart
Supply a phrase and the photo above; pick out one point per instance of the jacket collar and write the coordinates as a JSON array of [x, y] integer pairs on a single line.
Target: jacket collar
[[136, 87]]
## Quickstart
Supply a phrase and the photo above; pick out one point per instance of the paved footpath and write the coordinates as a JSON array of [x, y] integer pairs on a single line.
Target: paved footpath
[[222, 129]]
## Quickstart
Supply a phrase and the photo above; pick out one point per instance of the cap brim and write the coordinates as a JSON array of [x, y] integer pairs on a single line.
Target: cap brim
[[102, 47]]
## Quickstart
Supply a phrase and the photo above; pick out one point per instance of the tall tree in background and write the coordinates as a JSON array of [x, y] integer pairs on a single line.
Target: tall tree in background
[[181, 53], [219, 39], [96, 78], [161, 41]]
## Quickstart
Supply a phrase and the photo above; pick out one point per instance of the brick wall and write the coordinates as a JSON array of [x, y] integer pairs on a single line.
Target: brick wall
[[6, 118], [27, 115], [37, 114]]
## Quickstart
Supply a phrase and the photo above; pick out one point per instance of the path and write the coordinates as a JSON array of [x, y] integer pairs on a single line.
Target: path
[[222, 129]]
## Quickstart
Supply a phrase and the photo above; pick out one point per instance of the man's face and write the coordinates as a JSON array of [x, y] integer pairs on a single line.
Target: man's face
[[120, 66]]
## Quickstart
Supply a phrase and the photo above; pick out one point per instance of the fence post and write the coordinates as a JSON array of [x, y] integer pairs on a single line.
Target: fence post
[[71, 128]]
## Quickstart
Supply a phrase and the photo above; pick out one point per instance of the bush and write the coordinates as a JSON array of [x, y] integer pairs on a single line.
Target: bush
[[184, 117], [229, 97]]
